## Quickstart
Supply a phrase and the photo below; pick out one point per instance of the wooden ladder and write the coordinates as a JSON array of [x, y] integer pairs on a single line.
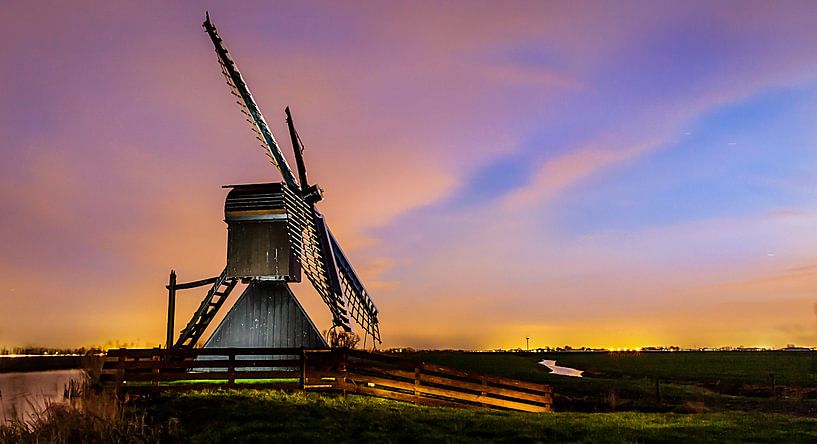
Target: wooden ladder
[[207, 311]]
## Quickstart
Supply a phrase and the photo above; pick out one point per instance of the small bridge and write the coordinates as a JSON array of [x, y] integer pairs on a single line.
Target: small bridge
[[338, 370]]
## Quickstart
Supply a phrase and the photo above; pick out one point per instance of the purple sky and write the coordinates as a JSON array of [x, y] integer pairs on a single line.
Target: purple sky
[[587, 173]]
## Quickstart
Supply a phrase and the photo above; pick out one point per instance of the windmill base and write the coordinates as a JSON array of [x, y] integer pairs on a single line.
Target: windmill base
[[266, 315]]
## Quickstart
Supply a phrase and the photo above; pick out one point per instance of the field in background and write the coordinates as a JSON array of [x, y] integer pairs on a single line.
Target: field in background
[[660, 381]]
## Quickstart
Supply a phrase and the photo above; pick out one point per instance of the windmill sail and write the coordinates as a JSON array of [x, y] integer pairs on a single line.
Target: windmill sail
[[361, 306], [305, 237], [249, 107]]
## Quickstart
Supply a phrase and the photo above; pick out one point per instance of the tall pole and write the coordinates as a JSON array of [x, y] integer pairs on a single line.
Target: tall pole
[[171, 308], [527, 343]]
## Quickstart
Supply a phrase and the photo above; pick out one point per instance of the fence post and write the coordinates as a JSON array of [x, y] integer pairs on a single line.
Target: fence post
[[121, 379], [303, 369], [231, 369], [171, 308], [658, 391], [484, 392], [416, 385], [343, 372], [157, 359]]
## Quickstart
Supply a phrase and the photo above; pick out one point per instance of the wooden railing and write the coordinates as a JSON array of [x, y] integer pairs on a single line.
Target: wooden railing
[[391, 377], [127, 366], [347, 371]]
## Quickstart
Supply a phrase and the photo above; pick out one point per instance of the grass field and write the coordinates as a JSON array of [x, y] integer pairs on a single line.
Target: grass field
[[272, 416], [703, 397]]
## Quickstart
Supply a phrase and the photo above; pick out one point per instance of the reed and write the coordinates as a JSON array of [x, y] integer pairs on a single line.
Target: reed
[[88, 414], [66, 423]]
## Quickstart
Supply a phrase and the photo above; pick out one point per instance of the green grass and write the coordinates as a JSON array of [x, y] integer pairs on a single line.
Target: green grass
[[257, 416]]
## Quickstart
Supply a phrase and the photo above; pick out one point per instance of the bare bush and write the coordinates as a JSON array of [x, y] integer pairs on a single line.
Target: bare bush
[[338, 338]]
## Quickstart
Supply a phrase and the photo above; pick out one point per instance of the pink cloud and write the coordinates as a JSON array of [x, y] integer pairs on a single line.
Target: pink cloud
[[557, 174]]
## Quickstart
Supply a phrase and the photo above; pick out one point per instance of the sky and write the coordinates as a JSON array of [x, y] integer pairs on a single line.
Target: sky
[[602, 174]]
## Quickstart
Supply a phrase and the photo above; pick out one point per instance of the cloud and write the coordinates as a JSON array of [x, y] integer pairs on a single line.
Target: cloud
[[558, 174], [118, 140]]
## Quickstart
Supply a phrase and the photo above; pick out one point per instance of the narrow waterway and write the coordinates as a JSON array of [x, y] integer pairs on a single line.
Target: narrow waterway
[[563, 371], [26, 393]]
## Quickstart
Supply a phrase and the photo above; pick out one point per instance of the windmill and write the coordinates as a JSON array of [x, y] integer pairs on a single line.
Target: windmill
[[275, 233]]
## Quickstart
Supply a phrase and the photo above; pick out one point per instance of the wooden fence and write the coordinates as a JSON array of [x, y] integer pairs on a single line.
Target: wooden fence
[[347, 371], [392, 377], [132, 368]]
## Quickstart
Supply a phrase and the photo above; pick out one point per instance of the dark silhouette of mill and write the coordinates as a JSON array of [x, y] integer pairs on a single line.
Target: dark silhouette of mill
[[275, 234]]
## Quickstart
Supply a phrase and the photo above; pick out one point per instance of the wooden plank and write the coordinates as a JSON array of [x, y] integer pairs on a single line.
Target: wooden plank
[[543, 388], [363, 367], [292, 351], [387, 394], [451, 394], [185, 353], [240, 363], [194, 284], [485, 389], [289, 386], [323, 385], [322, 378], [408, 364], [211, 376]]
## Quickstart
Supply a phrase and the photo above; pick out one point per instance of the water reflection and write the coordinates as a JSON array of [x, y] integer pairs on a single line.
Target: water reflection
[[23, 394], [558, 370]]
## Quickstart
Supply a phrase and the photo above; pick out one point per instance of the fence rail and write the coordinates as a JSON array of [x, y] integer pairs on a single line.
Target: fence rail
[[123, 367], [347, 371], [392, 377]]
